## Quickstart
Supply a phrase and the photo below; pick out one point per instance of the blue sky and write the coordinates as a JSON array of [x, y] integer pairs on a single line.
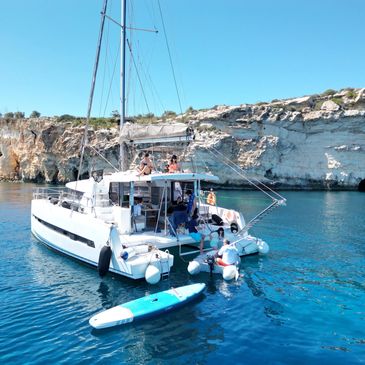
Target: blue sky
[[224, 52]]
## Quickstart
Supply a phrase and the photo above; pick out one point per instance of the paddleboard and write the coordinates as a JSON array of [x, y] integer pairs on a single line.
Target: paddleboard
[[147, 306]]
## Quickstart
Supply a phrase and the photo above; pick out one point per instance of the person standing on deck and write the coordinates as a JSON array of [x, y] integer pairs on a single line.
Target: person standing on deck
[[191, 203], [179, 216]]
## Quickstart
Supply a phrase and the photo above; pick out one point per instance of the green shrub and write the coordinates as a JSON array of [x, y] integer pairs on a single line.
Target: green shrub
[[115, 114], [168, 114], [329, 92], [34, 114], [318, 105], [9, 115], [148, 118], [338, 101], [351, 94], [19, 115], [103, 122], [66, 118]]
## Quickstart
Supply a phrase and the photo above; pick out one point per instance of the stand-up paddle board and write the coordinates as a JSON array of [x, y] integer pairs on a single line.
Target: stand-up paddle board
[[148, 306]]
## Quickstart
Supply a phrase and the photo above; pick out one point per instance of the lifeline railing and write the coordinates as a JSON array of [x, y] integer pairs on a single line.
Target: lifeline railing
[[277, 199], [51, 192]]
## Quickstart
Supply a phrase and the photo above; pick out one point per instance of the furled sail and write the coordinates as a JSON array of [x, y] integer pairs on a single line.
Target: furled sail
[[155, 133]]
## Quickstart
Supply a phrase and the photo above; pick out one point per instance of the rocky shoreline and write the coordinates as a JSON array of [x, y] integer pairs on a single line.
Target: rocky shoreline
[[312, 142]]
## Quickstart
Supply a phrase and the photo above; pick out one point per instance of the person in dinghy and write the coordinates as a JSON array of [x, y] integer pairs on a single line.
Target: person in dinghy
[[228, 254]]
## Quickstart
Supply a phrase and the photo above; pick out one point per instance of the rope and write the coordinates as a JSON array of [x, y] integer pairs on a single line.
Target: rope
[[168, 50]]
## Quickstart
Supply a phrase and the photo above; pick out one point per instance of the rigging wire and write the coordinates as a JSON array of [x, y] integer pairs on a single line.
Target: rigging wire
[[170, 58], [138, 76], [105, 67], [111, 80], [239, 171], [148, 78], [104, 158], [97, 57], [129, 73], [254, 179]]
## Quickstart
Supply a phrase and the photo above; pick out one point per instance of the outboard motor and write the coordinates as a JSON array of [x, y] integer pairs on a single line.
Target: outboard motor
[[210, 262], [104, 260]]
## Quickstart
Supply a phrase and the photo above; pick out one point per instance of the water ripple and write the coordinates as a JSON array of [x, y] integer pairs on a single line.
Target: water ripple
[[301, 304]]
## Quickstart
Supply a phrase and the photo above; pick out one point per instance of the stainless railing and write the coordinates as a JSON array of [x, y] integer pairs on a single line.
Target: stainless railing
[[61, 193], [71, 199]]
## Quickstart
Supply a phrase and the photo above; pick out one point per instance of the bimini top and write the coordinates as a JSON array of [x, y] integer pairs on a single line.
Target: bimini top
[[156, 176], [154, 133], [131, 175]]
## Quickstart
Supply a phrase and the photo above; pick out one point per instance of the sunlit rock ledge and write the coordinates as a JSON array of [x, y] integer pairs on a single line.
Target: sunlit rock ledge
[[312, 142]]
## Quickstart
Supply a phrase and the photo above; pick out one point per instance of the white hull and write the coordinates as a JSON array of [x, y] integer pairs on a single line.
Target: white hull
[[82, 236]]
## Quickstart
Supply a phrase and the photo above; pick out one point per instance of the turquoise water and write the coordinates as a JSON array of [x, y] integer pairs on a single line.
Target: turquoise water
[[302, 304]]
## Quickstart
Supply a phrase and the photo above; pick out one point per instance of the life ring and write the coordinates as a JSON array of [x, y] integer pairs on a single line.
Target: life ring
[[211, 198]]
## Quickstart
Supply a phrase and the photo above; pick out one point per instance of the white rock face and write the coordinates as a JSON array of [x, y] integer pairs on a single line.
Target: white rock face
[[330, 106], [294, 143]]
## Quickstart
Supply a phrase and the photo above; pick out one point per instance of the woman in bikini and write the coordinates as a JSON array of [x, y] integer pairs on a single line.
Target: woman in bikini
[[146, 165], [173, 165]]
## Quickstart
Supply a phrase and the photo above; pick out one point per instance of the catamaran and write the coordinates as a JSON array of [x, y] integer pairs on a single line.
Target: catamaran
[[124, 222]]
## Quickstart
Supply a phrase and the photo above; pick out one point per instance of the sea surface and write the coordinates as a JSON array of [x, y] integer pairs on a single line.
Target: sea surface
[[303, 303]]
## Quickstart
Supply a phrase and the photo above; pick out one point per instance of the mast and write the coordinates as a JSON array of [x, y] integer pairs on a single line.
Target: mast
[[122, 79]]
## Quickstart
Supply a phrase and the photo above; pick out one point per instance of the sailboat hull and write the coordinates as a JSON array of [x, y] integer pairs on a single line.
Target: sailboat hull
[[82, 237]]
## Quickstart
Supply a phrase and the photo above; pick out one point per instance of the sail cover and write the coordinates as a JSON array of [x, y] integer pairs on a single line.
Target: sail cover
[[141, 133]]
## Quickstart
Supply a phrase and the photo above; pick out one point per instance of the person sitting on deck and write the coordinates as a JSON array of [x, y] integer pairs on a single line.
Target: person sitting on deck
[[173, 165], [146, 165], [211, 198], [139, 220], [192, 225], [216, 241], [227, 255], [179, 216], [137, 208]]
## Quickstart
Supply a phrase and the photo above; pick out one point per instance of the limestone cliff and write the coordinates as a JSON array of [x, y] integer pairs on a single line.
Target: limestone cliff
[[315, 141]]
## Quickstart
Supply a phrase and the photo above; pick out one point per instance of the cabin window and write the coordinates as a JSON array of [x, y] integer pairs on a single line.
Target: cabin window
[[119, 194], [73, 236]]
